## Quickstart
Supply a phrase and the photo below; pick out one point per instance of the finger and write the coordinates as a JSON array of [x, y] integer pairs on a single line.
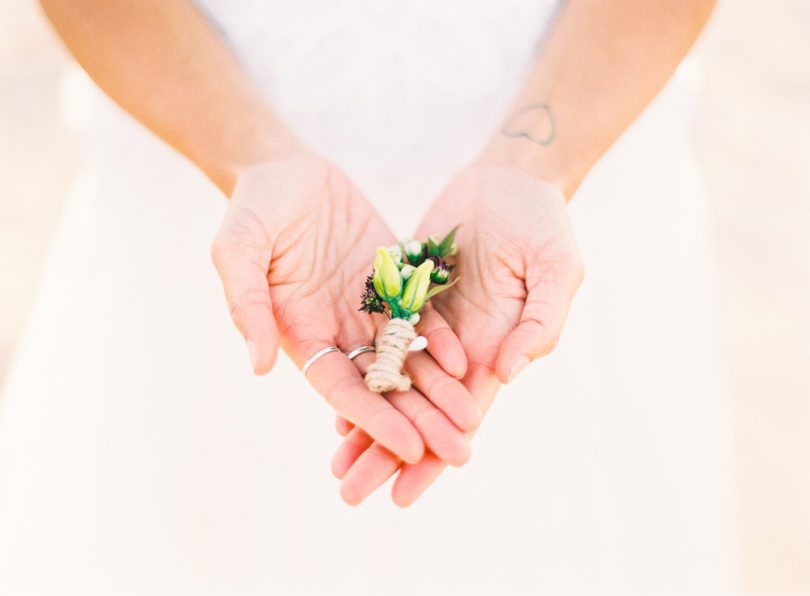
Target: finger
[[414, 479], [342, 426], [443, 344], [445, 392], [370, 471], [438, 432], [373, 470], [243, 270], [540, 326], [338, 380], [352, 447], [364, 360]]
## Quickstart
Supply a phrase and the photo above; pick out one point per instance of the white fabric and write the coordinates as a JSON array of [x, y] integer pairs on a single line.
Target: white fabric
[[138, 455]]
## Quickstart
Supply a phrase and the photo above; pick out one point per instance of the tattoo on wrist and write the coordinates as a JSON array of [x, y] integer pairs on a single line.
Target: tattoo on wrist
[[533, 122]]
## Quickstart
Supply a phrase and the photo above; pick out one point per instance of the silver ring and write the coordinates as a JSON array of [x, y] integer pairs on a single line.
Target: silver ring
[[317, 355], [361, 350]]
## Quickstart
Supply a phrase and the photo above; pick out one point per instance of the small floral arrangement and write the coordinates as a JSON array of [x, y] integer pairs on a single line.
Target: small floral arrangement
[[405, 277]]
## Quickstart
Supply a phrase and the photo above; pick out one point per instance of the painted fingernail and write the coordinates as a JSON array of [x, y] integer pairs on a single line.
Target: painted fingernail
[[251, 346], [517, 367]]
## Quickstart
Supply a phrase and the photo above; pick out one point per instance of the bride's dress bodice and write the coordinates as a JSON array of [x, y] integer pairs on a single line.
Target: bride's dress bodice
[[398, 93]]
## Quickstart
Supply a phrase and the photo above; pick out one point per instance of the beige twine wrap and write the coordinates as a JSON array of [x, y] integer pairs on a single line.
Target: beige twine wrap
[[386, 374]]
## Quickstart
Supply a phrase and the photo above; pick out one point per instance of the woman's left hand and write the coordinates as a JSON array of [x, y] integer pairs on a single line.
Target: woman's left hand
[[293, 253]]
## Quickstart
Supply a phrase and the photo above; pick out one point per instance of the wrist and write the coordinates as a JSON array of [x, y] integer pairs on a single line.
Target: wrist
[[530, 140], [250, 140], [550, 164]]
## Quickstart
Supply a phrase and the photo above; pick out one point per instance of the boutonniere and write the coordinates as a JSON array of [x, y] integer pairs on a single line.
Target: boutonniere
[[405, 277]]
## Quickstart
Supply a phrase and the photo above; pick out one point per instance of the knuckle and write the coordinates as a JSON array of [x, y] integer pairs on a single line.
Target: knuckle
[[335, 394], [436, 333], [545, 336], [575, 264], [440, 384], [241, 305], [424, 416], [547, 345], [237, 313], [217, 251], [578, 270], [385, 417], [380, 454]]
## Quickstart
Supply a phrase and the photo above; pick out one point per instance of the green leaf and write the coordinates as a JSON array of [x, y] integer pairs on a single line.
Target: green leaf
[[436, 289], [432, 247], [447, 243]]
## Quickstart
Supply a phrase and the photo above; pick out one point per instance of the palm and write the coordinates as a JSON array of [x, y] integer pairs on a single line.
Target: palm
[[293, 252], [320, 254], [515, 237], [485, 304], [518, 268]]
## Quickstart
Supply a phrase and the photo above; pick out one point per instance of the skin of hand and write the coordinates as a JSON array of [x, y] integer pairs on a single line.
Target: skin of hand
[[518, 267], [605, 60], [293, 252], [293, 221], [518, 261]]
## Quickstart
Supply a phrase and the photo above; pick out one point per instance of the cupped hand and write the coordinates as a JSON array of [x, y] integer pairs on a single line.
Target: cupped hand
[[518, 267], [293, 252]]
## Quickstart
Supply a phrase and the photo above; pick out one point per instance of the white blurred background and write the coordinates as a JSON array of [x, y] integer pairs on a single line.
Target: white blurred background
[[753, 139]]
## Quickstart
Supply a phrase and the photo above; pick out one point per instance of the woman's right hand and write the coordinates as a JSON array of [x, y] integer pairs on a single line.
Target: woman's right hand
[[518, 269], [293, 252]]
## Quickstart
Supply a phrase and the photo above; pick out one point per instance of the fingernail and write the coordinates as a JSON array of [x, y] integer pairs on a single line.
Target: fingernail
[[251, 346], [517, 367]]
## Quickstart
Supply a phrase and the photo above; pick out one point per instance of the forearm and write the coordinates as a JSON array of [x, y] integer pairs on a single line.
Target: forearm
[[162, 62], [602, 63]]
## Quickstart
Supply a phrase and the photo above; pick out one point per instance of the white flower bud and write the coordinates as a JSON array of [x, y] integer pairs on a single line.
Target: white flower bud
[[396, 253], [413, 249]]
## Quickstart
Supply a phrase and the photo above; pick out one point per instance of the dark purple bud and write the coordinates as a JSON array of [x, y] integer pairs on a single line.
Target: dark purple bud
[[371, 301], [441, 271]]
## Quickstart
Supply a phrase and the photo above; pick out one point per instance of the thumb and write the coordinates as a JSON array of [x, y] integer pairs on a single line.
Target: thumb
[[540, 326], [243, 267]]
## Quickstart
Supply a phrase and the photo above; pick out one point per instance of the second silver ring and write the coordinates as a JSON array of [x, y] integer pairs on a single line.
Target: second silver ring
[[361, 350]]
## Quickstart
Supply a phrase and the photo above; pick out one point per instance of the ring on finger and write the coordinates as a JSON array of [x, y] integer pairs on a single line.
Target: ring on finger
[[361, 350], [315, 356]]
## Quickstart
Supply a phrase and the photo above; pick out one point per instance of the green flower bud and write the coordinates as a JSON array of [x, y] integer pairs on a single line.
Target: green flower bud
[[386, 279], [440, 276], [412, 249], [441, 271], [406, 272], [413, 298]]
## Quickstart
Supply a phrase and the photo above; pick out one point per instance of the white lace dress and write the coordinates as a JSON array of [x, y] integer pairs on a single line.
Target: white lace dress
[[138, 455]]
